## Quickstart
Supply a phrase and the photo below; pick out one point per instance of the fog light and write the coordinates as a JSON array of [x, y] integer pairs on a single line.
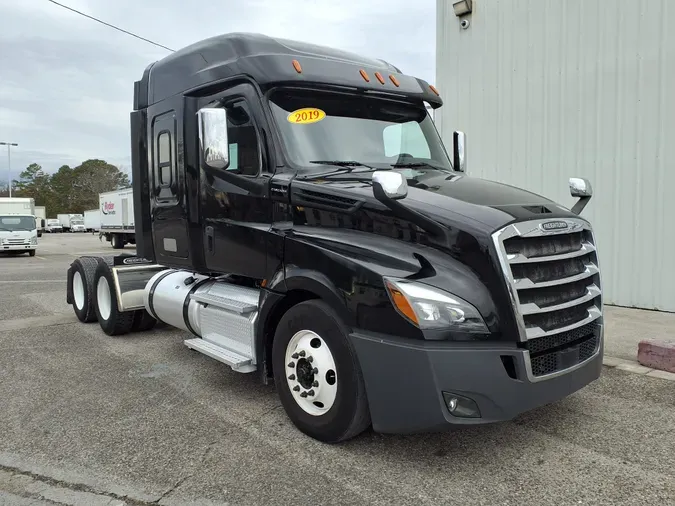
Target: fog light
[[461, 407]]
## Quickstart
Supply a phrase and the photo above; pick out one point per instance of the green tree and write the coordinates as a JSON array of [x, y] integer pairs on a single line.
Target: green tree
[[69, 190], [34, 183], [92, 177], [63, 196]]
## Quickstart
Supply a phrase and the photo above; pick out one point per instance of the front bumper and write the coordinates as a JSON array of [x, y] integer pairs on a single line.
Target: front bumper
[[17, 247], [405, 381]]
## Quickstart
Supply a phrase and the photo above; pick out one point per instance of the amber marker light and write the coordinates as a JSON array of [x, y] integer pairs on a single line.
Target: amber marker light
[[297, 67], [401, 302], [379, 77], [364, 75], [394, 80]]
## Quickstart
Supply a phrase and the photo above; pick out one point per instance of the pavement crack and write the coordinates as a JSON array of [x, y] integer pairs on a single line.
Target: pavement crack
[[273, 408], [76, 487], [183, 479], [171, 489]]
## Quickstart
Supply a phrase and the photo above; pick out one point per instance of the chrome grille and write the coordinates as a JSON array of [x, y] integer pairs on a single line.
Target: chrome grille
[[553, 277], [16, 241]]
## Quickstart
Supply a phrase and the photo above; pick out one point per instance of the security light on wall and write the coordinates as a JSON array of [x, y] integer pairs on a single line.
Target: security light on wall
[[462, 7]]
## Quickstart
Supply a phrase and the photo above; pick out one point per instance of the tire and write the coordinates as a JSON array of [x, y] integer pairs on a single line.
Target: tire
[[31, 252], [112, 321], [344, 414], [143, 321], [84, 269], [116, 241]]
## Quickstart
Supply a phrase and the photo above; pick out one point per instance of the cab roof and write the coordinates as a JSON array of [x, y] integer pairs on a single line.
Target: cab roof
[[268, 61]]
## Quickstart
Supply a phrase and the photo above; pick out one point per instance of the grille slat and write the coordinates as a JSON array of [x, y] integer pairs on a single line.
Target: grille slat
[[519, 258], [554, 280]]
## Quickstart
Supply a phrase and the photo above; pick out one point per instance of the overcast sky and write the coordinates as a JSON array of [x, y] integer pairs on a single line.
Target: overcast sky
[[66, 82]]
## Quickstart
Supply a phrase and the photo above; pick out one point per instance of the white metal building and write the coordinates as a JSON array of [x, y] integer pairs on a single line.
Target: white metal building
[[548, 89]]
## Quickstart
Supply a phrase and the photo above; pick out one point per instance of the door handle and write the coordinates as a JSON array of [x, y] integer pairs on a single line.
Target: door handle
[[209, 239]]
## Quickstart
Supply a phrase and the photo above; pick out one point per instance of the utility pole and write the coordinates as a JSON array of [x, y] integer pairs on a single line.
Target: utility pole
[[9, 164]]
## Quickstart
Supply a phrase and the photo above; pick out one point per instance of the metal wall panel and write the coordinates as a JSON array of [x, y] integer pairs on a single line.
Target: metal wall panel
[[548, 89]]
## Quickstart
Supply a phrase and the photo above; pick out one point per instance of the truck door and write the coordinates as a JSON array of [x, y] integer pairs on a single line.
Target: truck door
[[167, 181], [235, 220]]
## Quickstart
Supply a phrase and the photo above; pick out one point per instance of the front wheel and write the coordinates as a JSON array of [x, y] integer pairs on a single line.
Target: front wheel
[[317, 374]]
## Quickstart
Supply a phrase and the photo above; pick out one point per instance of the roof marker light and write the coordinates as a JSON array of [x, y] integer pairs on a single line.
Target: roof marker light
[[394, 80], [379, 77], [297, 67], [433, 88], [364, 75]]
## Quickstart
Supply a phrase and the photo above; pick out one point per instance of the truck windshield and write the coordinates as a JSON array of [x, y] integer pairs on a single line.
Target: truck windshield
[[16, 223], [347, 129]]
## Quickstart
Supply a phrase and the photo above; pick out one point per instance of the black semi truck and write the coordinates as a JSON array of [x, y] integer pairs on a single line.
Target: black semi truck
[[298, 216]]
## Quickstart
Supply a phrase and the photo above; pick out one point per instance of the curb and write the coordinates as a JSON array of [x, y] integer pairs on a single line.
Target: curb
[[657, 354], [635, 368]]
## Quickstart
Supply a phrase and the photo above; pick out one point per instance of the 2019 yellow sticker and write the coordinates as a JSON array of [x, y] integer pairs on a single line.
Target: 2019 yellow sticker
[[306, 115]]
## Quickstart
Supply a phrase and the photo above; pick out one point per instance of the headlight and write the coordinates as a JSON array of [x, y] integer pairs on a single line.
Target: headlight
[[431, 308]]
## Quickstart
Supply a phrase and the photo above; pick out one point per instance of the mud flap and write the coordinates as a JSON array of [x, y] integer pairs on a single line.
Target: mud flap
[[69, 285]]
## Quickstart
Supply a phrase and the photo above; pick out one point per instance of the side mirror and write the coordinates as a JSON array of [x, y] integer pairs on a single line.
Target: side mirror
[[43, 223], [580, 187], [458, 152], [213, 144], [389, 185]]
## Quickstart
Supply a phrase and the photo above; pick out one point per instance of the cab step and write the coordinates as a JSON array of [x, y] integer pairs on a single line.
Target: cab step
[[236, 361]]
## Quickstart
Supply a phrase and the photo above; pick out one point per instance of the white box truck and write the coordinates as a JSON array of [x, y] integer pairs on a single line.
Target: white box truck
[[53, 226], [92, 220], [18, 225], [71, 222], [41, 217], [117, 217]]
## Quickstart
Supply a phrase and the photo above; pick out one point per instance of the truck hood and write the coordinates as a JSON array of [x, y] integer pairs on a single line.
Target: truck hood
[[456, 200]]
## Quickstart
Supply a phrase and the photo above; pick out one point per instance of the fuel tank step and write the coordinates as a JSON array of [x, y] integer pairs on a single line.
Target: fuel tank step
[[237, 362], [238, 299]]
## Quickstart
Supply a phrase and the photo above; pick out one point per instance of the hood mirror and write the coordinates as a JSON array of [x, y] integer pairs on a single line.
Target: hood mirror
[[581, 188], [213, 144], [389, 185]]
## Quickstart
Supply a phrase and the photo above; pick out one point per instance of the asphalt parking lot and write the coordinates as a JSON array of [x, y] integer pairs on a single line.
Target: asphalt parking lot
[[140, 419]]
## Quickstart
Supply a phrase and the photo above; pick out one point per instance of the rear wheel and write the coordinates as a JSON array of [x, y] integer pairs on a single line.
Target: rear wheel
[[84, 269], [116, 241], [318, 377], [113, 321], [142, 321]]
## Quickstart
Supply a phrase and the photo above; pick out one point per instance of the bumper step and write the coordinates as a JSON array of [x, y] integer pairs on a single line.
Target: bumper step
[[236, 361]]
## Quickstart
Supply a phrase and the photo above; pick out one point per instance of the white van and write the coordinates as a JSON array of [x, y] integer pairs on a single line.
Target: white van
[[18, 232]]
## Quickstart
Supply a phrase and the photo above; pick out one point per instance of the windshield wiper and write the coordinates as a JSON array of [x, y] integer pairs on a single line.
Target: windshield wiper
[[340, 163], [411, 165], [344, 165]]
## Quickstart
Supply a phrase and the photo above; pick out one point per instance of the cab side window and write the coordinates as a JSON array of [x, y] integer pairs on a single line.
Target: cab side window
[[243, 140], [165, 166]]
